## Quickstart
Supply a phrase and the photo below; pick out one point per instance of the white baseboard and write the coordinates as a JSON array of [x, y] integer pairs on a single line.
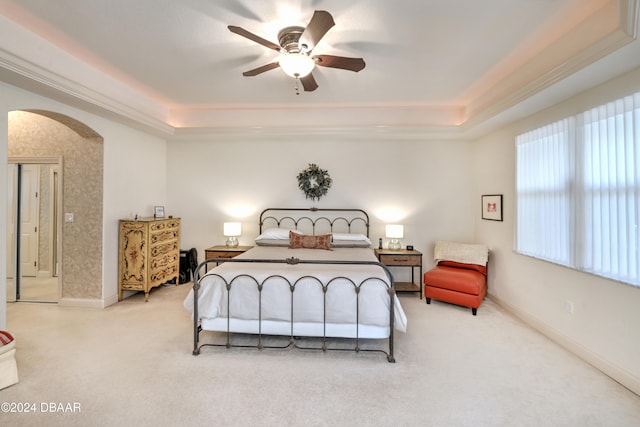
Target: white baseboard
[[89, 303], [110, 300], [615, 372]]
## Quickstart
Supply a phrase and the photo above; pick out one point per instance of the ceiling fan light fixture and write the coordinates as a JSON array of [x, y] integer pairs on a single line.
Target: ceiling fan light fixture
[[295, 45], [297, 65]]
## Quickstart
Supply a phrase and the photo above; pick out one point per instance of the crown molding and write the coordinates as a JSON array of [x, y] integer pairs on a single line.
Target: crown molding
[[332, 116], [617, 25], [629, 16], [310, 133], [36, 79]]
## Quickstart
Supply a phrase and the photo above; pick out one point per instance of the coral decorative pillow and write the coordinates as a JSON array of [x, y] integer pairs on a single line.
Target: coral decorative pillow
[[309, 242]]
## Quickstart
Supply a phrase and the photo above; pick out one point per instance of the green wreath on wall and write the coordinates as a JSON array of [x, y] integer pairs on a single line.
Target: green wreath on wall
[[314, 182]]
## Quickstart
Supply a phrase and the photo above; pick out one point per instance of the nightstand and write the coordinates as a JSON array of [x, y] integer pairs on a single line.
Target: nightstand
[[403, 258], [221, 251]]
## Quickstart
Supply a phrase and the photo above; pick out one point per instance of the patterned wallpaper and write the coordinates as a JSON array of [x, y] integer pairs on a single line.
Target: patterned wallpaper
[[45, 218], [33, 134]]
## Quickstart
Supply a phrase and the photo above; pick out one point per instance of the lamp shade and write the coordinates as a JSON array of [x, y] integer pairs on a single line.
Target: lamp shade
[[296, 64], [232, 229], [394, 231]]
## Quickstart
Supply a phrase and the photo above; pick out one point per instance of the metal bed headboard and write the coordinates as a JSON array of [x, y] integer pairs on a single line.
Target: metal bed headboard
[[333, 220]]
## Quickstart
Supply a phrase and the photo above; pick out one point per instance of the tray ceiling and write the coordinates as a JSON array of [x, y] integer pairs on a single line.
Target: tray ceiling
[[448, 66]]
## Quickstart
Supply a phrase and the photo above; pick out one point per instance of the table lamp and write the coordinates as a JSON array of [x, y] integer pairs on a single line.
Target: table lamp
[[394, 232], [232, 230]]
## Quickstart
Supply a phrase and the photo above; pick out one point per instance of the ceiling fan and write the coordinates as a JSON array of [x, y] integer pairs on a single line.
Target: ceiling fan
[[296, 45]]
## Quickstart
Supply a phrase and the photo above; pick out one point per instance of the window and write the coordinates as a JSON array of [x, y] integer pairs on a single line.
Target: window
[[578, 191]]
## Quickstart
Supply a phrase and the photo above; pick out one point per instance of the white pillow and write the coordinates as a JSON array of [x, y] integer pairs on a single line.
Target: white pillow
[[351, 236], [353, 240], [275, 234]]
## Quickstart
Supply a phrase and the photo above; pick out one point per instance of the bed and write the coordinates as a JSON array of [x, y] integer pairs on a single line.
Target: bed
[[311, 282]]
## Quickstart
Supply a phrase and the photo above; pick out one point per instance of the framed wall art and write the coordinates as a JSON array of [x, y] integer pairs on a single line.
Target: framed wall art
[[492, 207]]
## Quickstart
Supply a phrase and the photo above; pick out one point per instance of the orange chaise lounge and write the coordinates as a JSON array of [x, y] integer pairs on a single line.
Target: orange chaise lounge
[[460, 274]]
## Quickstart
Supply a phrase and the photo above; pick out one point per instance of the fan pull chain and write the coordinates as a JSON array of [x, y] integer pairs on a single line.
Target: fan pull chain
[[296, 87]]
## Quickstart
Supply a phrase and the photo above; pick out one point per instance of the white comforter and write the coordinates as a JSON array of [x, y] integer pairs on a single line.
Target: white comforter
[[373, 299]]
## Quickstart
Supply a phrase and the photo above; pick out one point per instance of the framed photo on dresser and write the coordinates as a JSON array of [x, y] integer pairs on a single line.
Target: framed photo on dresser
[[158, 212]]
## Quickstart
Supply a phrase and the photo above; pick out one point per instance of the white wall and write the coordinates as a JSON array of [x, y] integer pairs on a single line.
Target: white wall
[[134, 182], [604, 326], [135, 171], [428, 182], [134, 178]]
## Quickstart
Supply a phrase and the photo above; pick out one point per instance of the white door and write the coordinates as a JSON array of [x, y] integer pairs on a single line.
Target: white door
[[29, 208]]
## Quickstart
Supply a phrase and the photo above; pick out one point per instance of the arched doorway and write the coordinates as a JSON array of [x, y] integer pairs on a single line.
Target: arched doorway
[[62, 158]]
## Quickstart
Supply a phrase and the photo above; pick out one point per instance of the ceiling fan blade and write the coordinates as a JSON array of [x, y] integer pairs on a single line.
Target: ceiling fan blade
[[244, 33], [309, 83], [351, 64], [320, 23], [260, 70]]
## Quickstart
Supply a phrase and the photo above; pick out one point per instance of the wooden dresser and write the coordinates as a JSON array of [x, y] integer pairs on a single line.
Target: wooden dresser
[[148, 254]]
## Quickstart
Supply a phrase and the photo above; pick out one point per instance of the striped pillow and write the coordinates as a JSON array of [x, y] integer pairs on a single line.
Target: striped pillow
[[5, 338]]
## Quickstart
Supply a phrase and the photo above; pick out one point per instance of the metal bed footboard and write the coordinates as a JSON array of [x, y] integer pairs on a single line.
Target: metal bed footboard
[[294, 340]]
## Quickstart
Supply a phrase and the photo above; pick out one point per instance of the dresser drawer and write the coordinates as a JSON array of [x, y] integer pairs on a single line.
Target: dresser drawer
[[401, 260], [158, 225], [163, 236], [167, 273], [163, 261], [221, 254], [165, 248]]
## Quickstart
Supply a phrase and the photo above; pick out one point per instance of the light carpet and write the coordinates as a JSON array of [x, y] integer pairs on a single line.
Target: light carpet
[[131, 365]]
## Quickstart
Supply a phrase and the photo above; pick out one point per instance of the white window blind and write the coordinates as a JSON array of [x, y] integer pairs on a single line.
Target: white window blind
[[578, 191]]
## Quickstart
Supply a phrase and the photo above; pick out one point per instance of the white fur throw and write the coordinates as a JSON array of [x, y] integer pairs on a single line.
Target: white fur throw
[[461, 252]]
